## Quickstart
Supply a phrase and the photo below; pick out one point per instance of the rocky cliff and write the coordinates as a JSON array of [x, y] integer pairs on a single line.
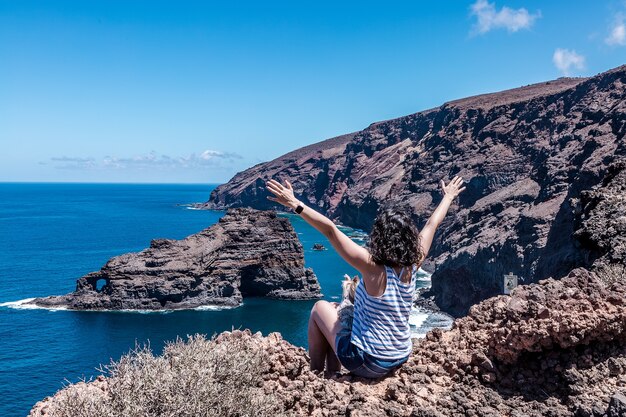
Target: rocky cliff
[[601, 230], [247, 253], [555, 348], [531, 157]]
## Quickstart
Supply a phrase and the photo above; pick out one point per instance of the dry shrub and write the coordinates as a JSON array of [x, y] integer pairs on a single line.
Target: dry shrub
[[198, 377]]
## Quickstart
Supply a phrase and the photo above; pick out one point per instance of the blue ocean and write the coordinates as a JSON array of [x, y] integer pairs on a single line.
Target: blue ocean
[[53, 233]]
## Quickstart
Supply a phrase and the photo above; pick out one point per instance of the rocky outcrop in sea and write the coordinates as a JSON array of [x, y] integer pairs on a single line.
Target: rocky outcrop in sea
[[247, 252], [536, 160], [555, 348]]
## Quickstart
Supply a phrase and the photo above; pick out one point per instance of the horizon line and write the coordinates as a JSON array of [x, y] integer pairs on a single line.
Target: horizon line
[[112, 182]]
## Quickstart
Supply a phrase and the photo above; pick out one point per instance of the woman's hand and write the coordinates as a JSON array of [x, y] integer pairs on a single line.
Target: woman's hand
[[357, 256], [453, 188], [450, 190], [284, 194]]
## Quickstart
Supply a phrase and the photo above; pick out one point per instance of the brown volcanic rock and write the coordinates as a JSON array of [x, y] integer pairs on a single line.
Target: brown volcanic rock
[[320, 161], [527, 154], [555, 348], [581, 310], [247, 253]]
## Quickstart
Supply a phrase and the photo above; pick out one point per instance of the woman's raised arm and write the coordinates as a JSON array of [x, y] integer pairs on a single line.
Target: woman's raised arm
[[451, 190], [355, 255]]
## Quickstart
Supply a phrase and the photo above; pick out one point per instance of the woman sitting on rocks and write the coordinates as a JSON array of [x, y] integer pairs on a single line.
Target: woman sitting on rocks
[[381, 337]]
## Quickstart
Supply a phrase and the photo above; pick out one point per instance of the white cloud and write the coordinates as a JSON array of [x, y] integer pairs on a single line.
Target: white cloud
[[209, 154], [565, 60], [71, 162], [150, 160], [489, 18], [618, 32], [71, 159]]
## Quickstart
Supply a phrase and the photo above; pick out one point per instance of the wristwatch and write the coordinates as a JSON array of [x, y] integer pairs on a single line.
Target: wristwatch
[[299, 209]]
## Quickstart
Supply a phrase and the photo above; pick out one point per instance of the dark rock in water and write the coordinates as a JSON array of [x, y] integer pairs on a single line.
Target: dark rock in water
[[425, 300], [528, 156], [247, 253], [318, 246]]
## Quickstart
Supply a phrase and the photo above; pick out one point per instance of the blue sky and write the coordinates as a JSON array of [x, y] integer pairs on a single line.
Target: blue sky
[[130, 91]]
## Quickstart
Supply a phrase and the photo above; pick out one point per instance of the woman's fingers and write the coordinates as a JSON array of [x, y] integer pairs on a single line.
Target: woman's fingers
[[273, 189], [276, 193], [275, 183], [288, 185], [454, 186], [456, 181]]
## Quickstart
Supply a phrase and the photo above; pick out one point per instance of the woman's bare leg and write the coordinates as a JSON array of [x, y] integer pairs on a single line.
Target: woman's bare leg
[[323, 327], [318, 346], [332, 362]]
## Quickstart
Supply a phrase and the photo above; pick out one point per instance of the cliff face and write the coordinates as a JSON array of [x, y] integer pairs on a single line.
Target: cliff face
[[602, 228], [529, 155], [247, 253], [555, 348]]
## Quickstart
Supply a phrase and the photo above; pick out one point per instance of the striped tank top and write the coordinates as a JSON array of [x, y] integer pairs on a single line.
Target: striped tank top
[[381, 324]]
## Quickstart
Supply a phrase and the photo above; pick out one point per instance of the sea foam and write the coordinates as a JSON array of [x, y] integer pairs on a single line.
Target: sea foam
[[422, 321], [24, 305]]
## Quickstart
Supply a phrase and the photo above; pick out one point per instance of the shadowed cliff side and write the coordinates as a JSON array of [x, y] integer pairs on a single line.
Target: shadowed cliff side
[[529, 156]]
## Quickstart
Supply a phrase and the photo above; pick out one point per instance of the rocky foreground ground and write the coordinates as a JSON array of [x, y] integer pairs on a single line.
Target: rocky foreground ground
[[555, 348], [246, 253]]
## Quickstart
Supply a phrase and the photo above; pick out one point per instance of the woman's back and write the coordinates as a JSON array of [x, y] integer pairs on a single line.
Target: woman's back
[[381, 323]]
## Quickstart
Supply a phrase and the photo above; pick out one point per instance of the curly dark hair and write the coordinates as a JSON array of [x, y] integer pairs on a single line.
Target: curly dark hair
[[394, 239]]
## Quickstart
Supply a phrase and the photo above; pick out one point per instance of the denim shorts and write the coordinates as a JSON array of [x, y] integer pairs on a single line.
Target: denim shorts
[[361, 363]]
